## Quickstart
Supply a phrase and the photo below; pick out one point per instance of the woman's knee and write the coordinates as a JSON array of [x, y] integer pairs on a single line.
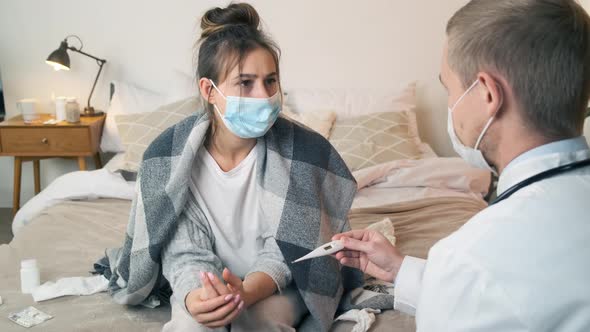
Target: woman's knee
[[280, 310]]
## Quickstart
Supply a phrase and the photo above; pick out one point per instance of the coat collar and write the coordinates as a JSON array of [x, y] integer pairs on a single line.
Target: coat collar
[[541, 159]]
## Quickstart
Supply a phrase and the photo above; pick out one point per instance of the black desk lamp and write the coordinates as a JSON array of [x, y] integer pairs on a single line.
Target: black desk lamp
[[59, 59]]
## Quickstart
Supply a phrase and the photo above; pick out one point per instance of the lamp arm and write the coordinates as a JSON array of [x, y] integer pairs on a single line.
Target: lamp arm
[[100, 63], [86, 54]]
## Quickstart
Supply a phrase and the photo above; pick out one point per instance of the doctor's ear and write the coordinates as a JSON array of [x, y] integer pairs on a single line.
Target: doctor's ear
[[207, 91], [491, 90]]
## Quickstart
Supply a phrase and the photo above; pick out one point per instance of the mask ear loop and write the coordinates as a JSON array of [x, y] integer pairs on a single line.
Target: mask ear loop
[[221, 93], [216, 88], [483, 132], [464, 94]]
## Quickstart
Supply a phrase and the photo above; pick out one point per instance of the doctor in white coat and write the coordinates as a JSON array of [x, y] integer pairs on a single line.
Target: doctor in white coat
[[518, 79]]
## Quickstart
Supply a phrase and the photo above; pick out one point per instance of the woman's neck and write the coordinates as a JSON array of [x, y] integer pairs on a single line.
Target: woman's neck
[[227, 149]]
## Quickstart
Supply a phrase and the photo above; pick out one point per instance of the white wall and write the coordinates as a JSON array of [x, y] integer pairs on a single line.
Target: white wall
[[328, 43]]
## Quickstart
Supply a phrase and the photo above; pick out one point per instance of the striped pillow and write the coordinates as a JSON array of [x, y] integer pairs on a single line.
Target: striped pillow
[[137, 131], [376, 138]]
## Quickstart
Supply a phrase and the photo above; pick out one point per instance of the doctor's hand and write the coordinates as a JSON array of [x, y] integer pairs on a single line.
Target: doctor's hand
[[370, 252], [213, 305]]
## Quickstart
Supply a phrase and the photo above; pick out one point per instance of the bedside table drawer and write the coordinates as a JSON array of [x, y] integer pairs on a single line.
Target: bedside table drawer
[[45, 140]]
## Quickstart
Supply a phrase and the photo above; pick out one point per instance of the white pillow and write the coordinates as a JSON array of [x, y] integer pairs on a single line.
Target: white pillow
[[127, 99], [182, 86], [353, 102]]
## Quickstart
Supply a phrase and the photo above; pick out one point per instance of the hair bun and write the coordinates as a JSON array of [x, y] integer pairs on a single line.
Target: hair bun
[[217, 19]]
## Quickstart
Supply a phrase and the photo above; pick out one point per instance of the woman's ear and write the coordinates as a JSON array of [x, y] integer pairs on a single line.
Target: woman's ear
[[491, 91], [207, 91]]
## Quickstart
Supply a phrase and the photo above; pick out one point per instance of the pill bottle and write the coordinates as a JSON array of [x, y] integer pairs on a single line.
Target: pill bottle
[[29, 276]]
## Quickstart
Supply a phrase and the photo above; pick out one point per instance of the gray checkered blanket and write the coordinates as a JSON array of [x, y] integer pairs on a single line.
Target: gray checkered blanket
[[304, 184]]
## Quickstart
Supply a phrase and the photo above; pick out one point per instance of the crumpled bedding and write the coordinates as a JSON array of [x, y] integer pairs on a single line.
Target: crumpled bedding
[[68, 237]]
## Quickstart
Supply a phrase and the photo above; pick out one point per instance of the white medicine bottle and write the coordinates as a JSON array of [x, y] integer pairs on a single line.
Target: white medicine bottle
[[29, 276]]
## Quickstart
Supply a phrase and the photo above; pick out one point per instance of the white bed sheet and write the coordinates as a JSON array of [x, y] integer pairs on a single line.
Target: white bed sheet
[[81, 185]]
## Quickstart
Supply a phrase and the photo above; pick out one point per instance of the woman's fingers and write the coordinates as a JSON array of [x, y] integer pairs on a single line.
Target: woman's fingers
[[229, 318], [220, 312], [209, 291], [201, 307], [232, 279], [219, 286]]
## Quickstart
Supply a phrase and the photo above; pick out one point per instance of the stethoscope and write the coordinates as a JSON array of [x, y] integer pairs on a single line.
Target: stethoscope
[[541, 176]]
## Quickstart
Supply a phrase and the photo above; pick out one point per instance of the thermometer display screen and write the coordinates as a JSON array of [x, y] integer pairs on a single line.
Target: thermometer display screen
[[327, 247]]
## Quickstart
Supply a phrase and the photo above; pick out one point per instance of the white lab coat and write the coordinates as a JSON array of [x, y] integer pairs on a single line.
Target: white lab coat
[[520, 265]]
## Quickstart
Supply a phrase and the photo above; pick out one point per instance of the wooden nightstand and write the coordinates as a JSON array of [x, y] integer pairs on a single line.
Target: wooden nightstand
[[33, 142]]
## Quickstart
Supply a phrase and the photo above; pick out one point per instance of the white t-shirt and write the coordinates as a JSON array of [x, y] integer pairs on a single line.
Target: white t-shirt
[[230, 202]]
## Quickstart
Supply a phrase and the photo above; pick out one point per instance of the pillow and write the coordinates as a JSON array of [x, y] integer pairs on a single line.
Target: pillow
[[127, 99], [116, 163], [349, 103], [181, 86], [139, 130], [376, 138], [319, 121]]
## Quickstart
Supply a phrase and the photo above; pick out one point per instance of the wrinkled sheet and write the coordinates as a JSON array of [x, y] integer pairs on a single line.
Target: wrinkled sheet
[[95, 225]]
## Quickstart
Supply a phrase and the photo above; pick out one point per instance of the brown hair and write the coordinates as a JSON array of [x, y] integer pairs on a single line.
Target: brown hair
[[228, 35], [542, 49]]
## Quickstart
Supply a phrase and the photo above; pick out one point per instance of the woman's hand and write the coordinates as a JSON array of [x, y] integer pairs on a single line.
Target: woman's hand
[[370, 252], [234, 284], [213, 305], [256, 287]]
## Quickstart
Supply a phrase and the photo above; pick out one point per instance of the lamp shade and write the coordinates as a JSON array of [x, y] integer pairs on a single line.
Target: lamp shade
[[59, 59]]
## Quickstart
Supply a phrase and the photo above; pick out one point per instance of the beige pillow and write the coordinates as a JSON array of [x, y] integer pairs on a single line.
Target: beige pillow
[[319, 121], [137, 131], [376, 138]]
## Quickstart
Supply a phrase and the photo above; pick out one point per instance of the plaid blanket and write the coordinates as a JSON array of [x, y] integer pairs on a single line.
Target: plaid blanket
[[303, 183]]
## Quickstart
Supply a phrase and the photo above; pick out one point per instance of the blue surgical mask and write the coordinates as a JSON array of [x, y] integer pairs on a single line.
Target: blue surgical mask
[[249, 117]]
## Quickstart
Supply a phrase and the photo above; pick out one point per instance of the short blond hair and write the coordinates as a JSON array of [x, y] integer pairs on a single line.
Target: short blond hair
[[541, 48]]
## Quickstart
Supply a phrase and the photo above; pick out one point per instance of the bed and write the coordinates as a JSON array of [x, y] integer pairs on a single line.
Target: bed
[[68, 226]]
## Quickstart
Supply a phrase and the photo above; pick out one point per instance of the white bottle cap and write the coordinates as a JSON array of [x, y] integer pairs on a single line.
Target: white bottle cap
[[28, 263]]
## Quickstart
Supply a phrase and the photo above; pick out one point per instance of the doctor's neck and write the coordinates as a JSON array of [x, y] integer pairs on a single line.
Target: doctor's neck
[[510, 139]]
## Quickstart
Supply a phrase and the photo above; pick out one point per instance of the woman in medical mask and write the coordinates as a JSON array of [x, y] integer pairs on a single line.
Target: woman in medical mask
[[228, 269], [239, 83]]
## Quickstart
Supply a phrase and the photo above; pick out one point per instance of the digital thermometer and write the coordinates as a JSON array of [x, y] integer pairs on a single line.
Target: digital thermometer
[[325, 250]]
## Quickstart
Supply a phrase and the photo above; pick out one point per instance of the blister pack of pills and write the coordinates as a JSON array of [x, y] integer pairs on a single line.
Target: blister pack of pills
[[29, 317]]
